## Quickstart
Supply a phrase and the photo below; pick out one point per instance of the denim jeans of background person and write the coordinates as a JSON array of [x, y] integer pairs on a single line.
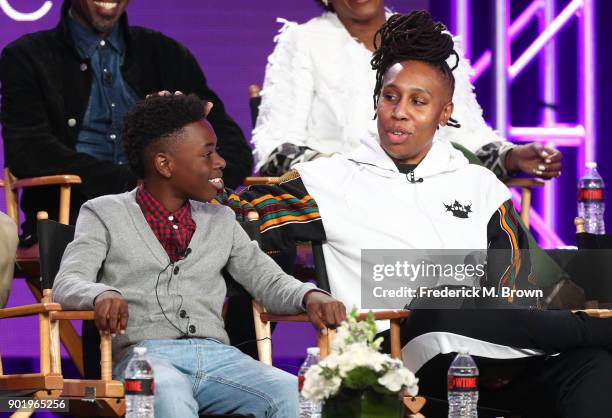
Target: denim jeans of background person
[[8, 247]]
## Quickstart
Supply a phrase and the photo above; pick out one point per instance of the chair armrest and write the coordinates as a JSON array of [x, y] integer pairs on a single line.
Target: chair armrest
[[251, 181], [378, 315], [26, 310], [386, 315], [598, 313], [61, 180], [106, 351], [270, 317], [524, 182], [72, 315]]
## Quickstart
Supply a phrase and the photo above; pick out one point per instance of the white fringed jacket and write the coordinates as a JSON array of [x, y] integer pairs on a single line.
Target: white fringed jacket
[[318, 91]]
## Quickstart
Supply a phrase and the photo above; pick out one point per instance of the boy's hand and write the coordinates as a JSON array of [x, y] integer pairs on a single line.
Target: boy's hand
[[323, 310], [111, 313]]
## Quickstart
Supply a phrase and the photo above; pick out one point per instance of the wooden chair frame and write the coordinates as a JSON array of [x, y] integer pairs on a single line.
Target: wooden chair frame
[[27, 265], [12, 186], [257, 180], [263, 334], [526, 185], [86, 397], [263, 330], [49, 382]]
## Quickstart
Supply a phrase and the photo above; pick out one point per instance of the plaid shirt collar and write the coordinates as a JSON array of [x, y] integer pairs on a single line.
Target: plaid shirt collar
[[174, 230]]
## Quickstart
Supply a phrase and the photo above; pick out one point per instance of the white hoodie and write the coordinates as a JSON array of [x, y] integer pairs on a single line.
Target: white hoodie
[[366, 203]]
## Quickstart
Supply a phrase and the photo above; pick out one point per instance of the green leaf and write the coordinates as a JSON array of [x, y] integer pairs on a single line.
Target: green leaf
[[361, 378]]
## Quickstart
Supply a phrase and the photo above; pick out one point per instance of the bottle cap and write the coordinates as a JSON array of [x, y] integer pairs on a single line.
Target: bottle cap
[[140, 350], [313, 351], [591, 164]]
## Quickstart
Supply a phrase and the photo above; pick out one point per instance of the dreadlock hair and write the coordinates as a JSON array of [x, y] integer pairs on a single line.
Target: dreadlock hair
[[328, 7], [156, 120], [414, 36]]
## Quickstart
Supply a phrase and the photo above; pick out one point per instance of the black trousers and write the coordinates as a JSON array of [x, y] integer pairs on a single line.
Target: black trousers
[[570, 380]]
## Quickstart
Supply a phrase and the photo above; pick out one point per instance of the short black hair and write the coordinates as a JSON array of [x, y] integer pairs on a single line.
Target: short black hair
[[156, 119], [327, 6], [414, 36]]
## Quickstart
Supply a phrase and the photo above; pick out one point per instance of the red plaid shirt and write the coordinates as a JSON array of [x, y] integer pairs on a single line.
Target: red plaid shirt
[[173, 229]]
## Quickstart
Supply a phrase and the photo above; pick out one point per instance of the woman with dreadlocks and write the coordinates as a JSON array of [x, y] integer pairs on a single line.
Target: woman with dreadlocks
[[316, 90], [412, 190]]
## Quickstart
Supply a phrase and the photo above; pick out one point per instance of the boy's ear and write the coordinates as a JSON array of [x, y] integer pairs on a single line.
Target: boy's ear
[[164, 165], [447, 111]]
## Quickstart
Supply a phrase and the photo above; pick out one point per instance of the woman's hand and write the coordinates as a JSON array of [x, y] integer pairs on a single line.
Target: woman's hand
[[534, 159]]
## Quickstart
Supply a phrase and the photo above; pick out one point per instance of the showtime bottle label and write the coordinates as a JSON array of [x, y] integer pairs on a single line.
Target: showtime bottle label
[[590, 195], [462, 383], [139, 387]]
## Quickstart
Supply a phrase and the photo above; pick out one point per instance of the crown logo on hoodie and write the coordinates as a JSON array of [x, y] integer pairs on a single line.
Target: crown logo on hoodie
[[458, 210]]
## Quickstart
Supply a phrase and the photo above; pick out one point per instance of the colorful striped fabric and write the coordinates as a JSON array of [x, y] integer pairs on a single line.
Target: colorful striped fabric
[[229, 198], [510, 225], [277, 205], [278, 210]]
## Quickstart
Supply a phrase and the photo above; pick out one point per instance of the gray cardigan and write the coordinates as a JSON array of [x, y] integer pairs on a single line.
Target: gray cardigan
[[115, 249]]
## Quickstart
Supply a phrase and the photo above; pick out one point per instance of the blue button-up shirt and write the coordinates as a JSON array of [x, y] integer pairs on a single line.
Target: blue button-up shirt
[[110, 96]]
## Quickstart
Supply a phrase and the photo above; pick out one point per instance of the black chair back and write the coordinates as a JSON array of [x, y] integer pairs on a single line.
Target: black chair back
[[319, 266], [587, 241], [53, 238], [592, 268], [238, 303], [254, 103], [251, 227]]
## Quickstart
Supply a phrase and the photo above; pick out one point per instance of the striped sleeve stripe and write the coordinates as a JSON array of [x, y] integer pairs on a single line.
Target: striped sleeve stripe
[[510, 226], [278, 212], [284, 198], [281, 220], [283, 209]]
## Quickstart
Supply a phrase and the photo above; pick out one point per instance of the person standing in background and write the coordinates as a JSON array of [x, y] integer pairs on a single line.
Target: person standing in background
[[317, 100], [65, 91]]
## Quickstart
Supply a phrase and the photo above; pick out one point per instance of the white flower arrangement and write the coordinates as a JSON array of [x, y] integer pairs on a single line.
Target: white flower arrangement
[[355, 362]]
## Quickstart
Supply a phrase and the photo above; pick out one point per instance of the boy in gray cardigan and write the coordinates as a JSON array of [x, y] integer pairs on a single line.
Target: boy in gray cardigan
[[157, 254]]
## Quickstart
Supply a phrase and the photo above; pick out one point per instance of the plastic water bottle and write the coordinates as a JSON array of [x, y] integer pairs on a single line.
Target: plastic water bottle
[[308, 409], [139, 385], [591, 204], [463, 387]]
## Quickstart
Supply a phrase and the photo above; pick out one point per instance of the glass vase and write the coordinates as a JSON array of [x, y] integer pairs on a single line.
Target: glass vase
[[362, 404]]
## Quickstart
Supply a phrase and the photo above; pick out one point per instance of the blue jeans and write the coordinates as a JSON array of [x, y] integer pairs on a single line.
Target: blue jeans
[[204, 375]]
